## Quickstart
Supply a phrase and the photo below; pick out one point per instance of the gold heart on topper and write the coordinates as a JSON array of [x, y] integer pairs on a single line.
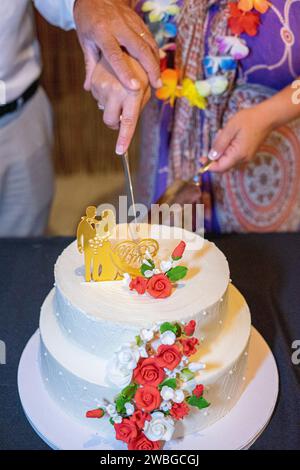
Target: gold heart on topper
[[128, 255]]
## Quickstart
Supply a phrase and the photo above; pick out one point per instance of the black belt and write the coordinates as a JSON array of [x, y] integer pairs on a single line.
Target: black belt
[[19, 102]]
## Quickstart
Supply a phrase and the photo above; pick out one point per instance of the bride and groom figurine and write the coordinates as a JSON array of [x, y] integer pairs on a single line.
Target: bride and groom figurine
[[92, 240]]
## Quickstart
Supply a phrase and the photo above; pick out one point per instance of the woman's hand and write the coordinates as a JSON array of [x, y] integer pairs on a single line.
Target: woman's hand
[[121, 107], [106, 27], [240, 139]]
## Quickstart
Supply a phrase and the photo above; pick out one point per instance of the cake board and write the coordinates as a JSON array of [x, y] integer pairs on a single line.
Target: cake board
[[237, 430]]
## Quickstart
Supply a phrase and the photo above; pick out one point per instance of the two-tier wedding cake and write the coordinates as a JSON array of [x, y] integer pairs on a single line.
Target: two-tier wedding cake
[[152, 367]]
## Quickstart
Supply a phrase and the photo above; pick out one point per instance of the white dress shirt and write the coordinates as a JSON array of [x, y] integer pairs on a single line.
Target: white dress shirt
[[20, 60]]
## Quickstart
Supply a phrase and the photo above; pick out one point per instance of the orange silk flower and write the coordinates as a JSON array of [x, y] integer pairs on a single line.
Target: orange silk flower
[[260, 5], [243, 21], [170, 89]]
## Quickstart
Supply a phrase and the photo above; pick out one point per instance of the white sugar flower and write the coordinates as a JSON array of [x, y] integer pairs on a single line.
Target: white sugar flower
[[111, 409], [147, 262], [148, 273], [129, 408], [117, 376], [166, 265], [142, 351], [165, 405], [170, 373], [167, 393], [160, 427], [195, 366], [178, 396], [117, 419], [146, 335], [127, 356], [189, 385], [119, 369], [168, 337]]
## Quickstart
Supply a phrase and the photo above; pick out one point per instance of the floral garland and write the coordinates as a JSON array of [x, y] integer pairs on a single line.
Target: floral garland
[[158, 282], [161, 385], [244, 17]]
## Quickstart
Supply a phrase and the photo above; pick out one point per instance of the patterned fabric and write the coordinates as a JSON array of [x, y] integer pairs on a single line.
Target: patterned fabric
[[174, 138], [275, 58], [265, 195], [190, 138]]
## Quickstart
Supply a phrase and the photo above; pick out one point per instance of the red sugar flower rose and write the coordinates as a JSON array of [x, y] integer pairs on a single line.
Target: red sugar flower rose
[[189, 346], [147, 398], [178, 251], [97, 413], [168, 356], [159, 286], [243, 22], [198, 391], [141, 442], [148, 372], [139, 284], [179, 410], [126, 430], [189, 328], [139, 417]]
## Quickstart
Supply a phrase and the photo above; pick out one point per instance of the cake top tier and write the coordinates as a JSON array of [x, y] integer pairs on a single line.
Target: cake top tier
[[205, 283]]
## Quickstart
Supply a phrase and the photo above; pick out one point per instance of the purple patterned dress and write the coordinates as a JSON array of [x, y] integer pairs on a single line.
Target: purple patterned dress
[[265, 196]]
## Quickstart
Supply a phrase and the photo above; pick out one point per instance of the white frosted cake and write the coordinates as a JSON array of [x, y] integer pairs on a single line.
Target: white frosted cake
[[82, 325]]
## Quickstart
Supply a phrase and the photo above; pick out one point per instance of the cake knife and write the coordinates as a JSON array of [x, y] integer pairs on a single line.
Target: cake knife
[[128, 182]]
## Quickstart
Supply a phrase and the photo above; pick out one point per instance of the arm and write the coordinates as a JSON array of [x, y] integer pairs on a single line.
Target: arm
[[244, 133]]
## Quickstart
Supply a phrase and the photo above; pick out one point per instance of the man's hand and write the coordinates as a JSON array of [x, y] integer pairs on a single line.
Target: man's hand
[[108, 27], [121, 107], [240, 139]]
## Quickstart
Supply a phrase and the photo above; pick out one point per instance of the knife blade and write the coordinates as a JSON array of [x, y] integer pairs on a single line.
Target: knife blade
[[128, 183]]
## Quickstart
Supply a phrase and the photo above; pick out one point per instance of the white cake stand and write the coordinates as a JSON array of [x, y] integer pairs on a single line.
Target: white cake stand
[[237, 430]]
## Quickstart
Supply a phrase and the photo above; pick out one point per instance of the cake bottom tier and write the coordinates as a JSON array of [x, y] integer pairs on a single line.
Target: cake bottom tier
[[76, 380]]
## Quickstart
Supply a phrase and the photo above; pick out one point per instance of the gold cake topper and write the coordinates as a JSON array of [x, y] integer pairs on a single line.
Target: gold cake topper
[[105, 261]]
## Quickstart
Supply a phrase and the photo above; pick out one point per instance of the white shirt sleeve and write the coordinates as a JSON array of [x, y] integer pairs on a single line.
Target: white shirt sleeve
[[57, 12]]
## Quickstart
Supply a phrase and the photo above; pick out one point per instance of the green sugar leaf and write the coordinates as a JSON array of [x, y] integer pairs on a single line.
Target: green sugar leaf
[[199, 402], [129, 391], [147, 267], [120, 404], [167, 326], [177, 273], [168, 383]]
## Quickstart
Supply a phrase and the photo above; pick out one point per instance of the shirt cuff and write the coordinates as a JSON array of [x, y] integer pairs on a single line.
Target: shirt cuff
[[70, 14], [57, 12]]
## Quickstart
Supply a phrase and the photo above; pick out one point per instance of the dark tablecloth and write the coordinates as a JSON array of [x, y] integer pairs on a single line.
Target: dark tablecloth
[[266, 269]]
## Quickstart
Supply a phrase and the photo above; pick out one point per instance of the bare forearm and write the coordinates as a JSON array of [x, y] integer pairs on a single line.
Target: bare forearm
[[282, 108]]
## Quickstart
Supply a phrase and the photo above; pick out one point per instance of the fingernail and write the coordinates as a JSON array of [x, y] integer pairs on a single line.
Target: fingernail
[[213, 155], [159, 83], [120, 150], [135, 83]]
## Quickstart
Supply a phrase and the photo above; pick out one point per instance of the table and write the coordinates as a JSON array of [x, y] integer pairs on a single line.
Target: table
[[265, 267]]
